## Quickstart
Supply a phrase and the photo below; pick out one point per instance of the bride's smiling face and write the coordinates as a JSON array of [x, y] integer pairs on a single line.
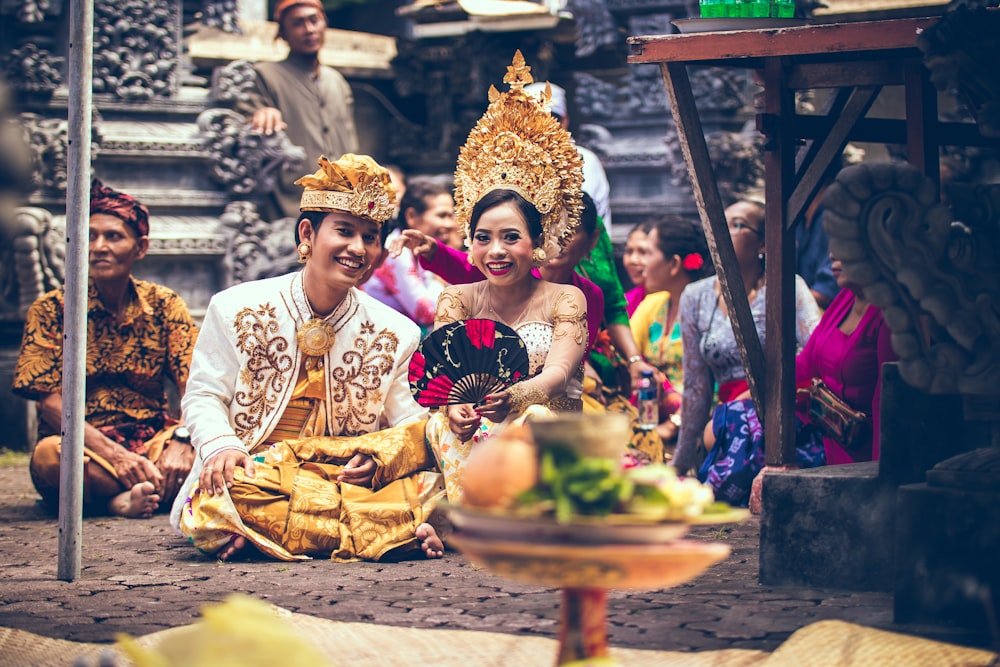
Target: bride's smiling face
[[501, 245]]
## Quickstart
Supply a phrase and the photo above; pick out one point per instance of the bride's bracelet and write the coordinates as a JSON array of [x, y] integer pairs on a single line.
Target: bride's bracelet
[[522, 395]]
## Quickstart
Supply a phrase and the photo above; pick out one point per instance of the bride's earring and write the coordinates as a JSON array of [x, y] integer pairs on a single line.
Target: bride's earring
[[305, 251]]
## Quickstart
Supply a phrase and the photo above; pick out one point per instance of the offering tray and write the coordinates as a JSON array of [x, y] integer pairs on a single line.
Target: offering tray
[[594, 557], [611, 529], [623, 529]]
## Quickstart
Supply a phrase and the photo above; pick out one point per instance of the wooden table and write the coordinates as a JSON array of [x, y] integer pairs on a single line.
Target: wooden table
[[854, 59]]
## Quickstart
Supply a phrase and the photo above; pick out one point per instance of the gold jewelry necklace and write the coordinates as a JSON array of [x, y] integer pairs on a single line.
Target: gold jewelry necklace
[[316, 336]]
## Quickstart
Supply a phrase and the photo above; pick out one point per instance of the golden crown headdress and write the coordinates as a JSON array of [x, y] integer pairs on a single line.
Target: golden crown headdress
[[356, 184], [518, 145]]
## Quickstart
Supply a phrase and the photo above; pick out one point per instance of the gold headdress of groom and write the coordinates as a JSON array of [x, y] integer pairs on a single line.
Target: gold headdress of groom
[[355, 184], [518, 145]]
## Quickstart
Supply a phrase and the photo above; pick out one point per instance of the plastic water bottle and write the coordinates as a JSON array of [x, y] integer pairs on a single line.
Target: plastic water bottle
[[784, 9], [648, 402], [712, 9]]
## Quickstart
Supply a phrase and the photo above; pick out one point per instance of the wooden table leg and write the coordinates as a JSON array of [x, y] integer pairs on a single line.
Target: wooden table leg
[[583, 629]]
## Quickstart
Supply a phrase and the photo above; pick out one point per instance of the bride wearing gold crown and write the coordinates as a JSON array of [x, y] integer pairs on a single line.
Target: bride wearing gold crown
[[518, 194]]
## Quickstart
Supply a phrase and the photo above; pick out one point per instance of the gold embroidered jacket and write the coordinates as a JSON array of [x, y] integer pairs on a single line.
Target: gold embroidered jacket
[[247, 359]]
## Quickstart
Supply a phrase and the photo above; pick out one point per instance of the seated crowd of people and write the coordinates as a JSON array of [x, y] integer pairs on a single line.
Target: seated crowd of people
[[301, 436]]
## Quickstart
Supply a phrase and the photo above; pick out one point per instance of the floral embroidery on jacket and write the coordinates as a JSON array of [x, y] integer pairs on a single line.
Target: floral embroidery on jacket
[[267, 367]]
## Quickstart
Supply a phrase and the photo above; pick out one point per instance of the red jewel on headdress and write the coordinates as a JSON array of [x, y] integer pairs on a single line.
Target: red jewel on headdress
[[371, 205]]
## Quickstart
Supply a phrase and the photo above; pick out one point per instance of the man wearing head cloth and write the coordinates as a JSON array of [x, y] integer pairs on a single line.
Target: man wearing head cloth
[[311, 102], [309, 441], [139, 338]]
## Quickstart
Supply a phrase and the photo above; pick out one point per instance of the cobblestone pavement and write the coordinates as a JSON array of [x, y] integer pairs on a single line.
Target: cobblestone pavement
[[138, 576]]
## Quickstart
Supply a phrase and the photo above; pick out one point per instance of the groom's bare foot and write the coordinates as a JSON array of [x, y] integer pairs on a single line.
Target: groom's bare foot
[[237, 544], [430, 543], [139, 502]]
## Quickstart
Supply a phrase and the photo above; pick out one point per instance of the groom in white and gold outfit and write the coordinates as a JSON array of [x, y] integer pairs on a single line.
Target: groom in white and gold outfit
[[290, 381]]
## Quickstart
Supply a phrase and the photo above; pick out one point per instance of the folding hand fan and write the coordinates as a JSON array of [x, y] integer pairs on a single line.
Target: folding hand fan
[[466, 361]]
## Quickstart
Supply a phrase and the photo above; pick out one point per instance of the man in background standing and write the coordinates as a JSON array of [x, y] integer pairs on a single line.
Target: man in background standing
[[312, 103]]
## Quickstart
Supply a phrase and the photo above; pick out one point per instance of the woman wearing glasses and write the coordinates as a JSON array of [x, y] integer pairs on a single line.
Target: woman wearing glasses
[[711, 356]]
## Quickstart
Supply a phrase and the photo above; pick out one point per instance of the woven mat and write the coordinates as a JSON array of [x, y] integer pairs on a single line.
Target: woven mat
[[828, 643]]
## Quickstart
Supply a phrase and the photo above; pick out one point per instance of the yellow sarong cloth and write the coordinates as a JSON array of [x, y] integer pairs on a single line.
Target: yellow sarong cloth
[[294, 507]]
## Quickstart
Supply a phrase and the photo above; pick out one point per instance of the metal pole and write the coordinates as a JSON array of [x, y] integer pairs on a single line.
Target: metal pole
[[81, 65]]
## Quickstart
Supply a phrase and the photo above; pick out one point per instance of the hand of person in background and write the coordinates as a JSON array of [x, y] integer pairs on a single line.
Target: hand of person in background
[[267, 120], [421, 244]]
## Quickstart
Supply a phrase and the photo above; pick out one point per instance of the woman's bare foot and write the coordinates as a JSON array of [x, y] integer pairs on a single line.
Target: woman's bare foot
[[139, 502], [237, 543], [429, 541]]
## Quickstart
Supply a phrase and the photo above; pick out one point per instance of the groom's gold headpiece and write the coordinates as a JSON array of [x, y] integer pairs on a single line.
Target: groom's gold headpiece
[[356, 184], [517, 145]]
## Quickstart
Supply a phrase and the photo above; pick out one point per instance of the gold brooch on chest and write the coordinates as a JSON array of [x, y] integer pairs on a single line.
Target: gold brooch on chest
[[315, 337]]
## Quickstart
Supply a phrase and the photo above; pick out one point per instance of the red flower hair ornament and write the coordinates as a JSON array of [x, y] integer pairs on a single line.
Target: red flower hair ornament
[[692, 261]]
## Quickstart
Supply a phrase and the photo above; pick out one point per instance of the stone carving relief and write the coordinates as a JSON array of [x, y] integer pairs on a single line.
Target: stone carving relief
[[595, 27], [717, 88], [246, 161], [15, 157], [444, 93], [36, 11], [48, 141], [256, 248], [596, 98], [641, 93], [232, 83], [736, 161], [651, 24], [33, 259], [33, 69], [136, 48], [221, 14], [934, 272], [959, 51]]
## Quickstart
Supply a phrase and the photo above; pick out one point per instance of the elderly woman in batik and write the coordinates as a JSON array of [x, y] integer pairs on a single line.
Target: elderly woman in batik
[[289, 387]]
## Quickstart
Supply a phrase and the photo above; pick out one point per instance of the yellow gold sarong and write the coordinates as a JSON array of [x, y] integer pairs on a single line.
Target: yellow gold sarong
[[294, 507]]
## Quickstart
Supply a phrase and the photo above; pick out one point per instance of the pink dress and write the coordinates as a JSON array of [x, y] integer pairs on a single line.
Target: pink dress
[[633, 298], [851, 365]]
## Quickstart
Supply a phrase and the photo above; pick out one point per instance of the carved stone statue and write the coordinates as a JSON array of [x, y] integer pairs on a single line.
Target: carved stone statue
[[246, 161], [48, 141], [957, 51], [33, 259], [136, 48], [256, 248], [934, 273], [33, 69]]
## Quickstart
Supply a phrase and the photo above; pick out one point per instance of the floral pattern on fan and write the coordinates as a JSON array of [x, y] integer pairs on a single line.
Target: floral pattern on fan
[[466, 361]]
